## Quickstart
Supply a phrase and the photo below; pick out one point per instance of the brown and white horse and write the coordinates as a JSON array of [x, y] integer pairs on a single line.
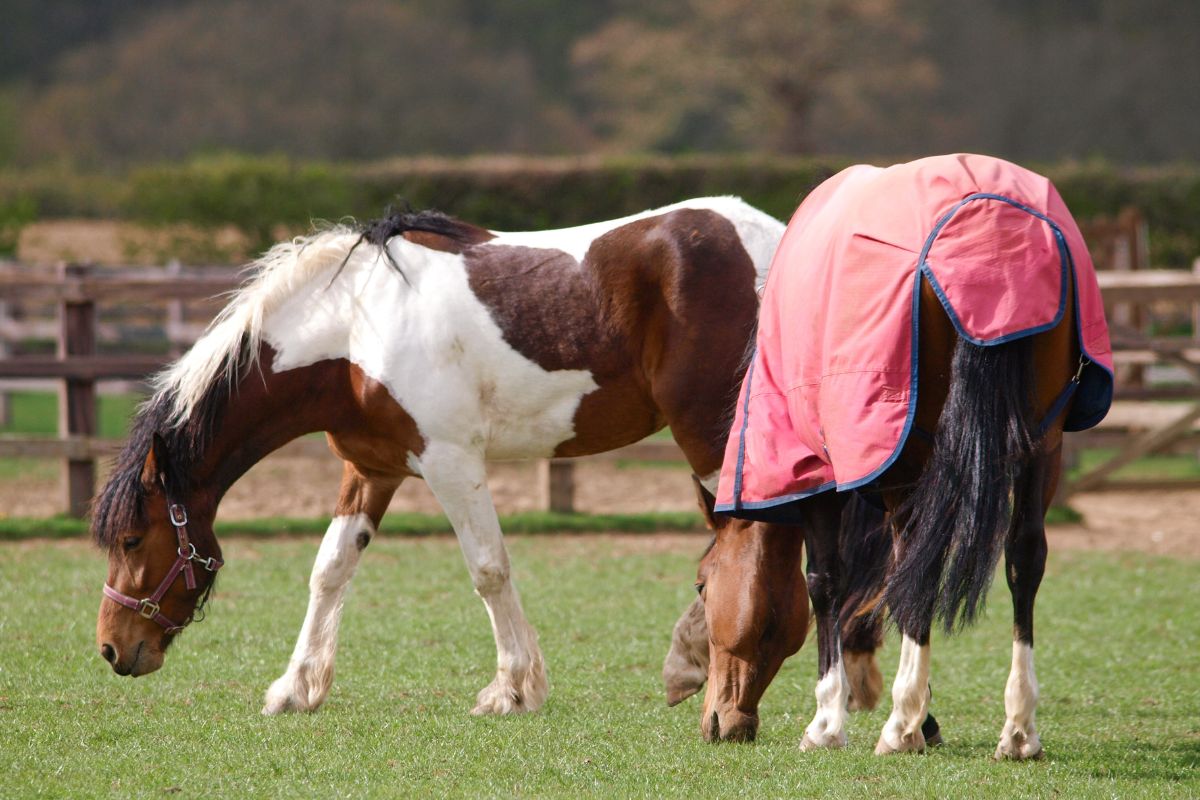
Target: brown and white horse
[[425, 346]]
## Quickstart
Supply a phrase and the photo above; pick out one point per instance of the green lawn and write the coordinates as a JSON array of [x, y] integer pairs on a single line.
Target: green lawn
[[1118, 638], [36, 413]]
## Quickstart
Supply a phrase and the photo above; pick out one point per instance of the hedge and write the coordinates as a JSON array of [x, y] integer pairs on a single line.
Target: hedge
[[260, 195]]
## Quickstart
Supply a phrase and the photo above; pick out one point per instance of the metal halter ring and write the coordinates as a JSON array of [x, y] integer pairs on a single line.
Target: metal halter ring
[[178, 514], [148, 608]]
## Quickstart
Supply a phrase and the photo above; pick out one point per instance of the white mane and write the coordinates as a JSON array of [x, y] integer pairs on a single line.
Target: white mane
[[273, 277]]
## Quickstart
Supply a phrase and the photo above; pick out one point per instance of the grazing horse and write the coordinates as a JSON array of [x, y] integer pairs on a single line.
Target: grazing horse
[[927, 333], [424, 346]]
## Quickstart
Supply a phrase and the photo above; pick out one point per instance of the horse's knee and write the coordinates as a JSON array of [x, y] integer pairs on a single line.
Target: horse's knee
[[332, 573], [490, 577], [822, 589]]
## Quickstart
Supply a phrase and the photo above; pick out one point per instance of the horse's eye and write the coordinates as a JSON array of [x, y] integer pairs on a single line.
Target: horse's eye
[[131, 542], [699, 587]]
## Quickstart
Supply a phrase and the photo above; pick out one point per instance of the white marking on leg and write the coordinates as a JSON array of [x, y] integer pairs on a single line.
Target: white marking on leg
[[310, 671], [828, 727], [459, 482], [1019, 739], [910, 701]]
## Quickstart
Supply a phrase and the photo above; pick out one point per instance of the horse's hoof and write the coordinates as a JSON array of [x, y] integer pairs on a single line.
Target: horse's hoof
[[506, 696], [1016, 746], [291, 693], [677, 693], [906, 743], [931, 731], [820, 742]]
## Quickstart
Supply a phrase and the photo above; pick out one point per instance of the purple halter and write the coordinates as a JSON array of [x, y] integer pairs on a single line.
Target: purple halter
[[185, 555]]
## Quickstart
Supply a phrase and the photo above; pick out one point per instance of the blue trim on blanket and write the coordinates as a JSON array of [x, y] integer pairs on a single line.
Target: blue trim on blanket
[[737, 475], [776, 508]]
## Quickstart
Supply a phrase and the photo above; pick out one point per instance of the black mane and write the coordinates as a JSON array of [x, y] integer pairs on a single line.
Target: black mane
[[120, 505], [396, 222]]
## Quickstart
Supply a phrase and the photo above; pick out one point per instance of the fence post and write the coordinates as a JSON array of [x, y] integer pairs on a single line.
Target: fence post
[[556, 484], [174, 326], [5, 352], [1130, 250], [77, 397]]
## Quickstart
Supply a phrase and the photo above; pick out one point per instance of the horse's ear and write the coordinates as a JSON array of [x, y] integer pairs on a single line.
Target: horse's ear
[[706, 501], [154, 470]]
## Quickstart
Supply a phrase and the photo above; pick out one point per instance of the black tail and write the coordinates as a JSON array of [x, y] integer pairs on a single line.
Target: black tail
[[958, 514]]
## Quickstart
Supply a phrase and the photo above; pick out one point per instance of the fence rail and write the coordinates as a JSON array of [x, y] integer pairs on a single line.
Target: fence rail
[[77, 291]]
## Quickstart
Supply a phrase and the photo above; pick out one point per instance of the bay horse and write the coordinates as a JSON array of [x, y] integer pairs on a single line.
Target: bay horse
[[927, 333], [423, 346]]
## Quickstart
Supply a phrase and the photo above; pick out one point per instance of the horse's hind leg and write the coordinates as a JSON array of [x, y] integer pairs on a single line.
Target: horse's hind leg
[[1025, 562], [861, 638], [686, 667], [360, 507], [458, 480], [821, 531]]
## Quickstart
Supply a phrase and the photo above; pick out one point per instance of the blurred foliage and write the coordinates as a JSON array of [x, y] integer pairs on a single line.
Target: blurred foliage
[[104, 82], [271, 196]]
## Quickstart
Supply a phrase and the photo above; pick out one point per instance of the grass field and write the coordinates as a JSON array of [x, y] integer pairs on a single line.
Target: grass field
[[1118, 662]]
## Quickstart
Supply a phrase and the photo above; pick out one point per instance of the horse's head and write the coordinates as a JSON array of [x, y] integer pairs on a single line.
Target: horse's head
[[756, 603], [162, 559]]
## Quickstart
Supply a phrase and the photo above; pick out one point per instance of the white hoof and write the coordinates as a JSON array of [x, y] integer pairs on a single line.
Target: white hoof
[[1018, 745], [299, 689], [823, 741], [506, 695], [894, 740]]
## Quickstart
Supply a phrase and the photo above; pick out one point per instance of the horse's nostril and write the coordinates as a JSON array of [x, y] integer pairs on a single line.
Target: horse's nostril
[[109, 653]]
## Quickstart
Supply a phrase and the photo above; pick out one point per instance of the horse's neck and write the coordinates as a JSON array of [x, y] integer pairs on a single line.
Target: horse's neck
[[266, 411]]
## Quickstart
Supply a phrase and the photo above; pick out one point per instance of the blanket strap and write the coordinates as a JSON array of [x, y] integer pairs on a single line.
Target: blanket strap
[[1064, 398]]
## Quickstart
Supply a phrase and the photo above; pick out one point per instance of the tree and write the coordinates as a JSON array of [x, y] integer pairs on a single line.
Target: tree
[[779, 75]]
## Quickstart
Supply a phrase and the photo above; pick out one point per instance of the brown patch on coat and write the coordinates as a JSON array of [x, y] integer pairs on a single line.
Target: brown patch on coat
[[660, 312], [470, 236]]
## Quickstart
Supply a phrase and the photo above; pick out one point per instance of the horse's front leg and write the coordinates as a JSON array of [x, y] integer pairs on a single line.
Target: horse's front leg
[[360, 507], [458, 480], [1025, 562]]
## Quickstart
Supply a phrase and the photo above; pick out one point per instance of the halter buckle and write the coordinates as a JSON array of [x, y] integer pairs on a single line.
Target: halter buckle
[[189, 554], [178, 514], [148, 608]]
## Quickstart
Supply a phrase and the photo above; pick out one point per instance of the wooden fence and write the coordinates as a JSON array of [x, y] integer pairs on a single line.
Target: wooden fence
[[1136, 298]]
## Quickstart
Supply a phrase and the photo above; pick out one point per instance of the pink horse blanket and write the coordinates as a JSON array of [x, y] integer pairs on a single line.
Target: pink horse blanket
[[829, 397]]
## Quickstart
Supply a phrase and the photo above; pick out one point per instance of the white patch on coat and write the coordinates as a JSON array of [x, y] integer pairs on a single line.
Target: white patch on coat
[[305, 684], [1019, 738], [910, 701], [828, 727], [760, 233], [436, 348]]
